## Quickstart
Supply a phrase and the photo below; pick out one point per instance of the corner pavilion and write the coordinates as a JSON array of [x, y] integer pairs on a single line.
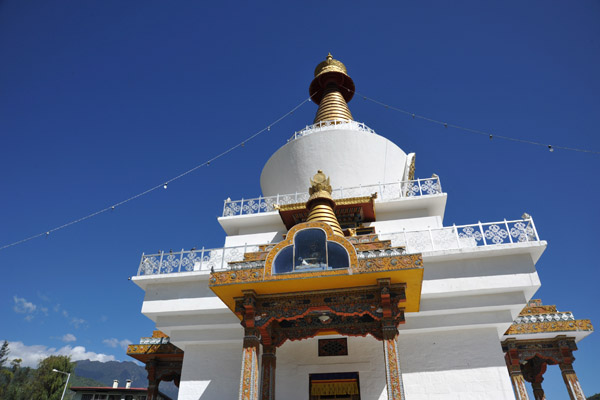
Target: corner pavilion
[[341, 282]]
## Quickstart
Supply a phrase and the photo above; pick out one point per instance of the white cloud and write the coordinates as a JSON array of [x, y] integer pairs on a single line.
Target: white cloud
[[78, 322], [23, 306], [114, 342], [43, 296], [69, 337], [31, 355]]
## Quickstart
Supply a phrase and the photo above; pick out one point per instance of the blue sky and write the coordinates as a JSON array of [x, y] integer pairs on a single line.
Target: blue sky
[[100, 100]]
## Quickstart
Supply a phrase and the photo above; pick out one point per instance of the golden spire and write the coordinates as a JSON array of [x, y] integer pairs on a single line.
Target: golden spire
[[320, 203], [331, 89]]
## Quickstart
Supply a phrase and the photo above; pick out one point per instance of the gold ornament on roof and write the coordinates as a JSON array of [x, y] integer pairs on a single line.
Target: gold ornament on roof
[[330, 65], [320, 204], [332, 89], [319, 186]]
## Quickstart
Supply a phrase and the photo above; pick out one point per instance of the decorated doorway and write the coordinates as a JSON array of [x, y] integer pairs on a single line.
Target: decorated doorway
[[336, 386]]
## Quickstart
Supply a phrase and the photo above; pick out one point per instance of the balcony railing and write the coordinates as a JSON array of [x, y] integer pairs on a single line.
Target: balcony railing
[[464, 236], [332, 124], [416, 241], [547, 317], [385, 191]]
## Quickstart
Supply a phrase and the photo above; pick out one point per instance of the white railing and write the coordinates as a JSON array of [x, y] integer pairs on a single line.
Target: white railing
[[547, 317], [385, 191], [192, 260], [332, 124], [453, 237], [464, 236]]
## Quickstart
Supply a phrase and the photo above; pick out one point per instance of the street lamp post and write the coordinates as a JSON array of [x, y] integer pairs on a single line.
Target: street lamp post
[[66, 384]]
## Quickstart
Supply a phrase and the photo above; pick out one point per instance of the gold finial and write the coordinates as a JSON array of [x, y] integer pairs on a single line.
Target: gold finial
[[319, 185], [320, 203], [332, 89]]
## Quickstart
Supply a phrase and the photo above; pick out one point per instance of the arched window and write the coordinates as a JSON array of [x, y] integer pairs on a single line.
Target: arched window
[[311, 251]]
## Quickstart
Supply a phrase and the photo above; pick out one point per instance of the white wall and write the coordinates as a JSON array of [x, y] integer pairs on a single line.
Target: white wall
[[466, 364], [454, 365], [296, 360], [211, 372], [349, 158]]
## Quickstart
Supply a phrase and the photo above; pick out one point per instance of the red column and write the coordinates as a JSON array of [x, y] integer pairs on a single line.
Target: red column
[[573, 386], [267, 387], [538, 392], [152, 381]]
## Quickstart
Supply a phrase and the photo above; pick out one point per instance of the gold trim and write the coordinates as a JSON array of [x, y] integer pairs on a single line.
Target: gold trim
[[551, 326]]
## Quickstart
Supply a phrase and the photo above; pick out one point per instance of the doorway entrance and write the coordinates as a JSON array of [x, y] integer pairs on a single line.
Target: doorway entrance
[[334, 386]]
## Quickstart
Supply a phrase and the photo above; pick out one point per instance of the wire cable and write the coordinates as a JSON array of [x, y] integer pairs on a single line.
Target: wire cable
[[471, 130], [162, 185]]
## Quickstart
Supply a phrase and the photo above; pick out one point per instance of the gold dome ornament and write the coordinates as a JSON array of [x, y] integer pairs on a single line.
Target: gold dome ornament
[[332, 89], [320, 203]]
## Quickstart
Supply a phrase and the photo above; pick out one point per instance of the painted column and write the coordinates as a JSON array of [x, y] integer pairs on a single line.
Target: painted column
[[389, 333], [513, 364], [393, 374], [573, 386], [518, 382], [538, 392], [249, 375], [267, 386]]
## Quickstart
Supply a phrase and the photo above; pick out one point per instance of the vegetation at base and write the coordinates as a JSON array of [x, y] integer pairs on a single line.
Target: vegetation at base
[[594, 397], [24, 383]]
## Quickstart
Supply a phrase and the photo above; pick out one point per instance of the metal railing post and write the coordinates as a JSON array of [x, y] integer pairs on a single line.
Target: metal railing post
[[420, 189], [180, 260], [202, 258], [162, 253], [223, 259], [482, 233], [537, 238], [508, 231], [140, 267], [456, 234], [242, 206], [224, 206], [405, 238], [431, 238]]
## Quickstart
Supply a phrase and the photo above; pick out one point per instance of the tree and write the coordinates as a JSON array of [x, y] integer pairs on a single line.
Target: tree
[[49, 385], [5, 374], [4, 350], [19, 387]]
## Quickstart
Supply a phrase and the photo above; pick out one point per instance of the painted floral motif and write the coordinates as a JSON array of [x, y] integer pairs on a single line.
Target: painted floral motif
[[393, 374], [249, 378]]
